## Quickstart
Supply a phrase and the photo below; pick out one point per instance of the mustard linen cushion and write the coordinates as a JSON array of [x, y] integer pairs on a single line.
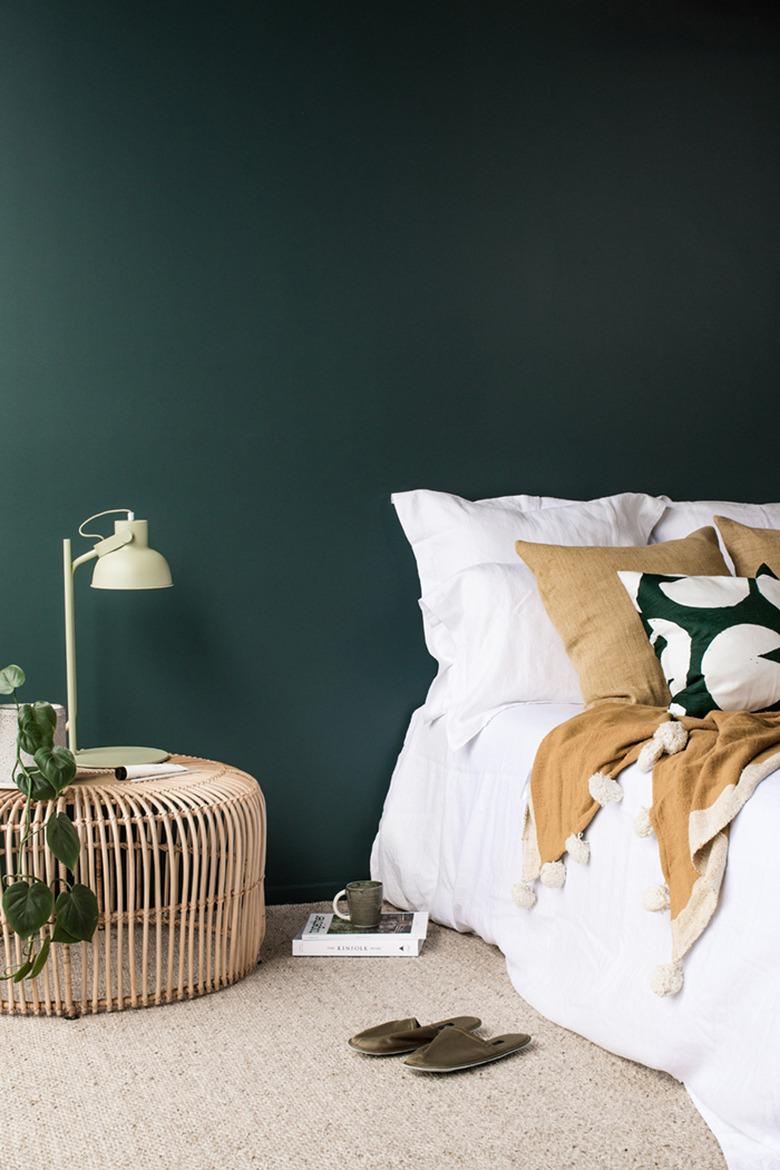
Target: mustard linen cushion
[[600, 628], [750, 548]]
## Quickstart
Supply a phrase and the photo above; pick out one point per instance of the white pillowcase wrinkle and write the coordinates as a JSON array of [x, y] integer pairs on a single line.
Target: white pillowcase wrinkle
[[440, 645]]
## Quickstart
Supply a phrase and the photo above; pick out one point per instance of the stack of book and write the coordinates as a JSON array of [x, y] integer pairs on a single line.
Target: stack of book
[[401, 934]]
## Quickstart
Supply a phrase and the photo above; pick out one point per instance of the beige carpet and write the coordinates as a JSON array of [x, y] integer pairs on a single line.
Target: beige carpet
[[259, 1075]]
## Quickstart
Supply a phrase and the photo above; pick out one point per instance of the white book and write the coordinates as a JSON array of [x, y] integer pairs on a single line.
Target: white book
[[400, 934]]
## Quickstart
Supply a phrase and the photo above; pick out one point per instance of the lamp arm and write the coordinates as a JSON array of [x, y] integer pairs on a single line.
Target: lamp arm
[[106, 545], [82, 560]]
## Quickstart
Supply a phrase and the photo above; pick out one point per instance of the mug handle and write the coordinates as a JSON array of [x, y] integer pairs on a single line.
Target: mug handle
[[336, 911]]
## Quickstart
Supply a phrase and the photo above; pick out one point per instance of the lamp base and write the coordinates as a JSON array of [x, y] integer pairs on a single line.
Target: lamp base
[[116, 757]]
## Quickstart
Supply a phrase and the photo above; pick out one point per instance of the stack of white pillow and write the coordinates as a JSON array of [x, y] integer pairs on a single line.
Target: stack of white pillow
[[483, 618]]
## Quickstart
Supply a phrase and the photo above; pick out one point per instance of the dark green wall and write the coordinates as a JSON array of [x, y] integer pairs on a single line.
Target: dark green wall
[[263, 263]]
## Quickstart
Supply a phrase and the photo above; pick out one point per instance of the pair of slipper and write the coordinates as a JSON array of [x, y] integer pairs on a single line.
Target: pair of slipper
[[446, 1046]]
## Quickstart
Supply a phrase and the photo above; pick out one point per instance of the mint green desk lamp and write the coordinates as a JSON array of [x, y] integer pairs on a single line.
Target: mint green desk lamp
[[123, 561]]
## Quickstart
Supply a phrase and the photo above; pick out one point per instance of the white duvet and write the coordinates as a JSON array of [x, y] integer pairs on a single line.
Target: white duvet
[[449, 842]]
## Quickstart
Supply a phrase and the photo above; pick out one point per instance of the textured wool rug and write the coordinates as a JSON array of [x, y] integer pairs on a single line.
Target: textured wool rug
[[260, 1075]]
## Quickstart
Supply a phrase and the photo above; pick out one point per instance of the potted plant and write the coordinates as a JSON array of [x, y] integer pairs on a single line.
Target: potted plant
[[68, 908]]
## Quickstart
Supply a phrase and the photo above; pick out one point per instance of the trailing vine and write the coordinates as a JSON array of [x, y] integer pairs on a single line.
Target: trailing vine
[[68, 908]]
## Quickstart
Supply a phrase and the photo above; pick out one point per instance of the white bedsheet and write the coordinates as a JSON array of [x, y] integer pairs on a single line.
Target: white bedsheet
[[449, 842]]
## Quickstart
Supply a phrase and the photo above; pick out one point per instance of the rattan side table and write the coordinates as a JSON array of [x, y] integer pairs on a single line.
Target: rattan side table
[[178, 866]]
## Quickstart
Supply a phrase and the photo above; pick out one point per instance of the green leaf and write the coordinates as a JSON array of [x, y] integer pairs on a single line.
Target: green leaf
[[25, 969], [57, 765], [33, 784], [61, 935], [40, 962], [77, 914], [27, 905], [62, 839], [11, 677], [37, 722]]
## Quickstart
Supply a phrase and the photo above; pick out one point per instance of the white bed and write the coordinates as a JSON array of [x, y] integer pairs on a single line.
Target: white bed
[[449, 842]]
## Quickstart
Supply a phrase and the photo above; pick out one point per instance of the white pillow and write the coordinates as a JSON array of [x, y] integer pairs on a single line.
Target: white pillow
[[506, 649], [682, 517], [448, 534], [422, 515]]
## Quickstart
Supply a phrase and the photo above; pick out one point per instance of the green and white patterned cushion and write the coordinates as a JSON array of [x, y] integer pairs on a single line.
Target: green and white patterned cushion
[[717, 638]]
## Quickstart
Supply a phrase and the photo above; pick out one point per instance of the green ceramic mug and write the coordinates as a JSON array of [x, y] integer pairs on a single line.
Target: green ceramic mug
[[365, 904]]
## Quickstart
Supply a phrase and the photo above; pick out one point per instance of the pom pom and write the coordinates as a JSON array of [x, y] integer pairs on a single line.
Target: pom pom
[[667, 979], [656, 898], [553, 874], [642, 824], [524, 895], [604, 789], [649, 755], [578, 849], [672, 736]]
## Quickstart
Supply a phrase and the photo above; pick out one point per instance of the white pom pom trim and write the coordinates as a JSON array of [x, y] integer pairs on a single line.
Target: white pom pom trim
[[578, 849], [656, 898], [553, 874], [667, 979], [524, 895], [643, 826], [604, 789], [672, 736], [649, 755]]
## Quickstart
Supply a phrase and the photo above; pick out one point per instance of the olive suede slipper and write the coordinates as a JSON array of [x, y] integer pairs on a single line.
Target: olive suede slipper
[[453, 1050], [399, 1036]]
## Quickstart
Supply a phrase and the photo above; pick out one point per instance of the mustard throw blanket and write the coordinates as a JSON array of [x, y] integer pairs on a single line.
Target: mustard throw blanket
[[704, 770]]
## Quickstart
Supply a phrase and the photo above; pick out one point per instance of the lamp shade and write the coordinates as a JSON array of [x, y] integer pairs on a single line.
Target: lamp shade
[[134, 565]]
